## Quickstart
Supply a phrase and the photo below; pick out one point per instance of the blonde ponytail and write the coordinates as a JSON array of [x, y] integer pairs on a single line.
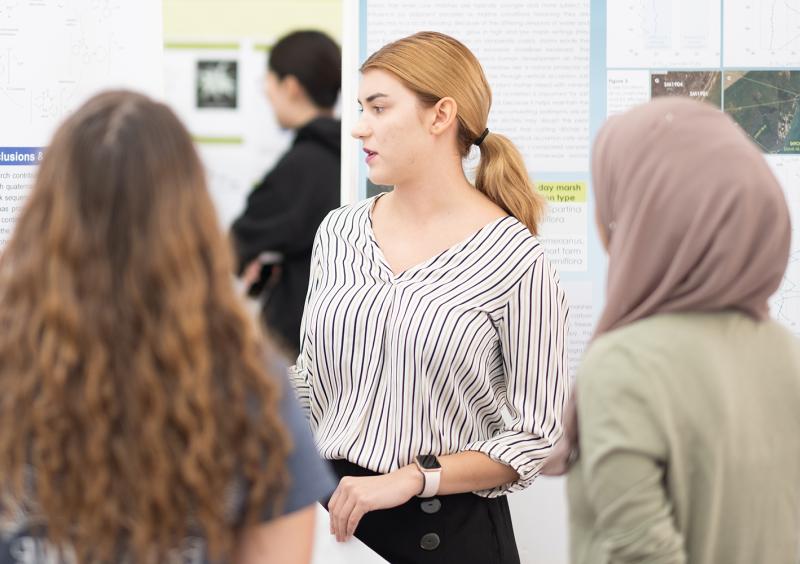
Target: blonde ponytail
[[503, 177], [433, 66]]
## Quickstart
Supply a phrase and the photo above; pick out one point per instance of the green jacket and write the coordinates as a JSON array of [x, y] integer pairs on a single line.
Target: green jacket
[[689, 444]]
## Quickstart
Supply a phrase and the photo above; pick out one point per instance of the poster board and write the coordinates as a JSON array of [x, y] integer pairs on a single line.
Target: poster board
[[54, 56], [558, 69], [216, 86]]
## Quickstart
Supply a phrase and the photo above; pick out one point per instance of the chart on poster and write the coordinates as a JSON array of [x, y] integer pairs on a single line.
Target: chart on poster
[[762, 33], [53, 56]]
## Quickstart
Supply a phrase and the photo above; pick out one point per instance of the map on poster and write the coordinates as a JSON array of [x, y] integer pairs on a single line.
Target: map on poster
[[766, 103], [53, 56]]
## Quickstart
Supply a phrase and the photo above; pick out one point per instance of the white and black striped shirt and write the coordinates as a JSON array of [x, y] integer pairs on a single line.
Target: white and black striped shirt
[[426, 361]]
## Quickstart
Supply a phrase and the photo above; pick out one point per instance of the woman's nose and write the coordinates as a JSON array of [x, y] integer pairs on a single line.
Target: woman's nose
[[360, 129]]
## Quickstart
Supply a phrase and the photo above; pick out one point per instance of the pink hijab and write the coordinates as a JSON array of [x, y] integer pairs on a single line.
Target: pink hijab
[[695, 221]]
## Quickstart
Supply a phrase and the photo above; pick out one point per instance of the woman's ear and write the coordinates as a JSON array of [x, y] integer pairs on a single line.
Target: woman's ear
[[445, 112]]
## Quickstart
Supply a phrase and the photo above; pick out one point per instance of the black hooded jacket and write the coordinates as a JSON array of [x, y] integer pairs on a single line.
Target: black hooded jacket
[[282, 215]]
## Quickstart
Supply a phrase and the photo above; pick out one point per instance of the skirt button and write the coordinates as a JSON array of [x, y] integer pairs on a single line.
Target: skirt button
[[429, 541], [431, 506]]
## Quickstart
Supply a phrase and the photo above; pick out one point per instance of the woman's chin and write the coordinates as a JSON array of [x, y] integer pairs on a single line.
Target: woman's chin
[[380, 179]]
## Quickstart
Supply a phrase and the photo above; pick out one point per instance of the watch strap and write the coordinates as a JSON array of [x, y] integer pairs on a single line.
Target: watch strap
[[432, 478]]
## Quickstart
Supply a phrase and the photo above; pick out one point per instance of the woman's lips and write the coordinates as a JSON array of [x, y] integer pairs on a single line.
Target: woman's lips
[[370, 155]]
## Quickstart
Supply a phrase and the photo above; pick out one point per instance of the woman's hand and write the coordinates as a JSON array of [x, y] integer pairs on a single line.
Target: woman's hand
[[251, 273], [560, 459], [356, 496], [565, 451]]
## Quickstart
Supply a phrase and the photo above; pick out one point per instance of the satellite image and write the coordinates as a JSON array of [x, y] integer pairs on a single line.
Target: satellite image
[[767, 106], [701, 85]]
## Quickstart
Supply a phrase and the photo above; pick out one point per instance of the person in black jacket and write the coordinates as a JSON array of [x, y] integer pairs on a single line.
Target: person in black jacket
[[284, 210]]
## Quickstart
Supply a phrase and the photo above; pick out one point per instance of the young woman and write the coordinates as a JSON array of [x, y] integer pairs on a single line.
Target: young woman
[[434, 358], [285, 209], [688, 397], [138, 422]]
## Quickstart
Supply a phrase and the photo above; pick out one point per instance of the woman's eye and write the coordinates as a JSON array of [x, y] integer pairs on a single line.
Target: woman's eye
[[360, 110], [378, 110]]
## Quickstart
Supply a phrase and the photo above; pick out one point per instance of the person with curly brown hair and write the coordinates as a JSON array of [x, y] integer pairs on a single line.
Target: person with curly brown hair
[[141, 419]]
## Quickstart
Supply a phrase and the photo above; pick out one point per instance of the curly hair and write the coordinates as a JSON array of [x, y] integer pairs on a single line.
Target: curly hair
[[132, 381]]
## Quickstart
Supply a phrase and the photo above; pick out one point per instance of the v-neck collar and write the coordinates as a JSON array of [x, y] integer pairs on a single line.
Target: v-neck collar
[[381, 258]]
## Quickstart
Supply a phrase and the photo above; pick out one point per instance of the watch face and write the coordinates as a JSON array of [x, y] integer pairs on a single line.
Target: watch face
[[428, 462]]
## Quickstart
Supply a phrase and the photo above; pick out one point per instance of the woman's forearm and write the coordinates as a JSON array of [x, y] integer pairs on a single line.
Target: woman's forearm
[[471, 471], [463, 472]]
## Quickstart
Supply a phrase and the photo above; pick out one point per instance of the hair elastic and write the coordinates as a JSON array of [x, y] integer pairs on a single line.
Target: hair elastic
[[480, 139]]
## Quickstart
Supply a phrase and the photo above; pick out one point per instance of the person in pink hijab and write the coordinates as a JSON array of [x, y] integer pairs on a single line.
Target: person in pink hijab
[[685, 438]]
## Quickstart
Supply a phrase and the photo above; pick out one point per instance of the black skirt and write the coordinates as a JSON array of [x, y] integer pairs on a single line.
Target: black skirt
[[448, 529]]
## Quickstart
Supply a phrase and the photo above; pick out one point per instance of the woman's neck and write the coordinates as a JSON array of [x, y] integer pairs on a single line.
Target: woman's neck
[[432, 195]]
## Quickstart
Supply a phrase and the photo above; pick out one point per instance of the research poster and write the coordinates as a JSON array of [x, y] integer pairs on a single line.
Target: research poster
[[536, 56], [558, 69], [55, 55]]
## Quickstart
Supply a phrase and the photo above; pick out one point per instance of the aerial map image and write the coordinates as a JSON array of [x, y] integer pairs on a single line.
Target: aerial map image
[[701, 85], [767, 106]]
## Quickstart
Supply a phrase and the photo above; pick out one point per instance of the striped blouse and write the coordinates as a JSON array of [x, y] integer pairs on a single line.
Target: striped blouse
[[465, 351]]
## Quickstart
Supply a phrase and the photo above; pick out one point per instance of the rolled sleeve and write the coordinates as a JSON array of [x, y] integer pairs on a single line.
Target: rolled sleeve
[[532, 331], [298, 377]]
